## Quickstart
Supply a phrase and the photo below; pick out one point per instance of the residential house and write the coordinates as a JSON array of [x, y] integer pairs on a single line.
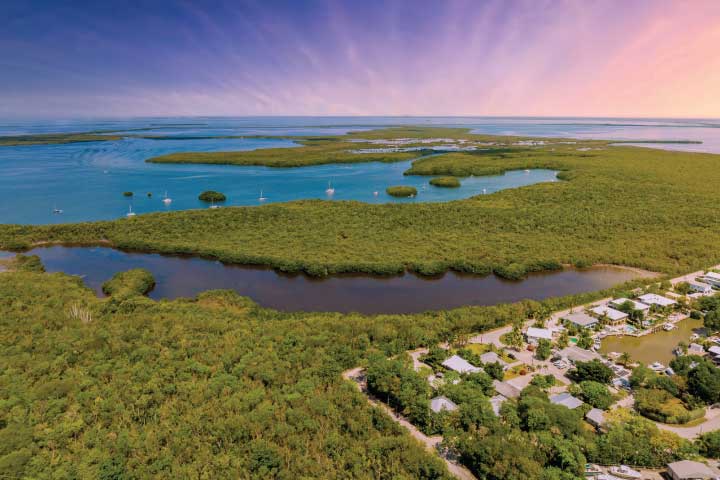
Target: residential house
[[581, 319], [614, 317], [618, 302], [695, 349], [460, 365], [595, 417], [714, 353], [506, 390], [659, 300], [566, 400], [534, 335], [713, 278], [492, 357], [689, 470], [577, 354], [700, 287], [438, 404]]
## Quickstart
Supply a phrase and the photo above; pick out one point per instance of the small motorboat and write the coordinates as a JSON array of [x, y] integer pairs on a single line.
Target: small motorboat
[[376, 193], [657, 367], [623, 471], [57, 211]]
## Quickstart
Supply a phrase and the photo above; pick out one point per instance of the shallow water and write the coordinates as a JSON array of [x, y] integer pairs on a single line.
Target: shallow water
[[656, 347], [186, 277], [86, 180]]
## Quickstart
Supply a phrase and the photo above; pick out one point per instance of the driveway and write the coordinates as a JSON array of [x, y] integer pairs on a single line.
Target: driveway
[[712, 422]]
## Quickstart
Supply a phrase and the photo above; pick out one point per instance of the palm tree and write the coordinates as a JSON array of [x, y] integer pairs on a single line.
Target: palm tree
[[625, 359]]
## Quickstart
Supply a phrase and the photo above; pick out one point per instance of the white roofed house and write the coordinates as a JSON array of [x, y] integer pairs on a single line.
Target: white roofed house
[[492, 357], [534, 334], [714, 353], [659, 300], [614, 317], [460, 365], [566, 400], [581, 319], [689, 470], [438, 404], [700, 287], [595, 417], [713, 278], [619, 302]]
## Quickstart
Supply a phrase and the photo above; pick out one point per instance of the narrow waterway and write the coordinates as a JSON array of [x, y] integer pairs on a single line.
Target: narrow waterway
[[656, 347], [187, 276]]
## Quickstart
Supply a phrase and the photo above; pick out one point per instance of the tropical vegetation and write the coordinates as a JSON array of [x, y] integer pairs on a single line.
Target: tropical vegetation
[[401, 191], [621, 205]]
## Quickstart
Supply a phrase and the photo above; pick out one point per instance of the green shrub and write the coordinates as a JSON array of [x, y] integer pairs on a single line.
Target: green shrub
[[28, 263], [401, 191], [446, 182], [137, 281], [212, 196]]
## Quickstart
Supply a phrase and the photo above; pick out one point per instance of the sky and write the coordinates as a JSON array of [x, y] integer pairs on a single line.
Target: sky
[[622, 58]]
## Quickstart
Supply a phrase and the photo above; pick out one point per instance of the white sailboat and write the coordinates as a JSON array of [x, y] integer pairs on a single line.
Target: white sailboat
[[130, 212], [212, 205], [262, 198], [167, 200], [330, 190]]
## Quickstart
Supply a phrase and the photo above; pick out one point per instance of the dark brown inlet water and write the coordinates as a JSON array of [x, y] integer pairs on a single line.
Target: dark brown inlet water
[[187, 276]]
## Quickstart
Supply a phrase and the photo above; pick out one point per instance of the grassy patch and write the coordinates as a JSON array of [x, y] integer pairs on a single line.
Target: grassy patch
[[53, 138], [401, 191], [446, 182], [132, 282]]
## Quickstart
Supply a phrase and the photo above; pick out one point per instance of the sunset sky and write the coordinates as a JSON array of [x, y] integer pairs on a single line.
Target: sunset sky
[[651, 58]]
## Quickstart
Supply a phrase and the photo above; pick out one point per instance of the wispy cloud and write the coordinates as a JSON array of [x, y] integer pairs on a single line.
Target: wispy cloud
[[455, 57]]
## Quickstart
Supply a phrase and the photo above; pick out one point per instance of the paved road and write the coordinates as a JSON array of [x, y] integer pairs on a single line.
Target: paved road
[[712, 422], [357, 377], [415, 355]]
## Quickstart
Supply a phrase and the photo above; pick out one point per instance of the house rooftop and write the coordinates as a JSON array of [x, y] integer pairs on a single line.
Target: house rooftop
[[577, 354], [713, 275], [595, 416], [566, 400], [689, 470], [491, 357], [460, 365], [653, 299], [505, 389], [438, 404], [534, 332], [610, 313], [581, 318], [636, 305], [714, 350]]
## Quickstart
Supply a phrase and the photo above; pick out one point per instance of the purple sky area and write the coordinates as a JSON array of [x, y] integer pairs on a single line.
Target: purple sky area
[[498, 57]]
